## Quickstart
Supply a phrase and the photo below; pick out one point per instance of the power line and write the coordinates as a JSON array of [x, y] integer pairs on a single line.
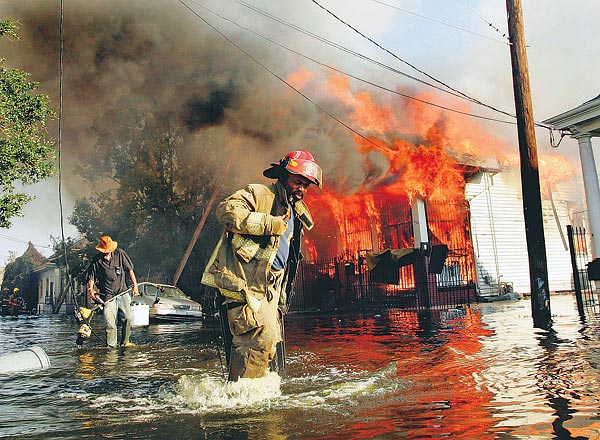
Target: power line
[[444, 23], [406, 62], [328, 42], [279, 77], [487, 22], [474, 100], [354, 76], [452, 92], [6, 237]]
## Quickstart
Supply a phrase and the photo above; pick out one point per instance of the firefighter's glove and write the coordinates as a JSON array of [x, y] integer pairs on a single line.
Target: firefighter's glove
[[253, 303], [278, 225]]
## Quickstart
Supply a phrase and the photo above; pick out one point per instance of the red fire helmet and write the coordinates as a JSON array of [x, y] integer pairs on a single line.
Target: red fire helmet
[[299, 162]]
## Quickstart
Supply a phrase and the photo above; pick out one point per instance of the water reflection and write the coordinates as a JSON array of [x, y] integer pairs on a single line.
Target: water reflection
[[564, 384], [481, 372], [435, 373]]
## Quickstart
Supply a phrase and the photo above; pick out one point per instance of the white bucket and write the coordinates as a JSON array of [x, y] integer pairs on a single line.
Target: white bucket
[[140, 315], [33, 358]]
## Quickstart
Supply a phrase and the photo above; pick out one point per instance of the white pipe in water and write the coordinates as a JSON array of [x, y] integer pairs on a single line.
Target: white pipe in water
[[32, 358]]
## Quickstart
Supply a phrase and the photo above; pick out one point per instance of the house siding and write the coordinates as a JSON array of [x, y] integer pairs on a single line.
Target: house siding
[[499, 239], [48, 287]]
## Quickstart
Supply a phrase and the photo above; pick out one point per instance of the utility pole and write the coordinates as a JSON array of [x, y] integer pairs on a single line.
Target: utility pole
[[530, 176], [207, 211]]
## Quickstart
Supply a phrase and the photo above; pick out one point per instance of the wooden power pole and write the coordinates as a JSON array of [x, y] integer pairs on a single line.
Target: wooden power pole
[[530, 177], [207, 211]]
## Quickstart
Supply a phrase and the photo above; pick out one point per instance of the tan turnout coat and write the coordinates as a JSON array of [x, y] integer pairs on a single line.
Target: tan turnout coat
[[253, 227]]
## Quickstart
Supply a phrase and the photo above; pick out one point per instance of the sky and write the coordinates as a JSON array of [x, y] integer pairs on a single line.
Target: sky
[[162, 52]]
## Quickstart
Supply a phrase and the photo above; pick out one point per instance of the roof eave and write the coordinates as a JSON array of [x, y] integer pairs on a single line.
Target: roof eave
[[577, 116]]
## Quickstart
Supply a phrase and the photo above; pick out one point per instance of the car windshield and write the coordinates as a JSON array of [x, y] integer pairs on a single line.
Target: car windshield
[[163, 291], [171, 292]]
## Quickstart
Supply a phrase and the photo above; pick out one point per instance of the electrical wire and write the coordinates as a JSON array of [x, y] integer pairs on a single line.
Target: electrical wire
[[350, 51], [453, 92], [60, 113], [69, 286], [362, 136], [487, 22], [364, 57], [554, 144], [354, 76], [326, 41], [444, 23], [474, 100], [23, 241]]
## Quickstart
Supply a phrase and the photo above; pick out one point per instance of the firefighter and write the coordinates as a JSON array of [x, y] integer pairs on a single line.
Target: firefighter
[[15, 302], [4, 298], [255, 261]]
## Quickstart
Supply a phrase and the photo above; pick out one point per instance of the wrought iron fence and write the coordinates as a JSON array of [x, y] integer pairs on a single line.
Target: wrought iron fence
[[345, 282], [348, 284], [587, 297]]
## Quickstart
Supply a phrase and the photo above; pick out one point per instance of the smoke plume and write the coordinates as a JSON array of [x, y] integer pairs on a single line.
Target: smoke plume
[[159, 57]]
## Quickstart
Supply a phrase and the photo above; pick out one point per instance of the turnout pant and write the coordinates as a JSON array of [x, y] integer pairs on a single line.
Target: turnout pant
[[255, 332]]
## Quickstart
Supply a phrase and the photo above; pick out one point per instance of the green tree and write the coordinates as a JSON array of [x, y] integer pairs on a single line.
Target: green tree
[[26, 155], [19, 273], [79, 253], [151, 185]]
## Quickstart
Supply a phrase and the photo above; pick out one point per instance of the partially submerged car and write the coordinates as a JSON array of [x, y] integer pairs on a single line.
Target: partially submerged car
[[167, 303]]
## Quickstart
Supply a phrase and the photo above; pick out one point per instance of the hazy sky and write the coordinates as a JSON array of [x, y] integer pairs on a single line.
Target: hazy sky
[[461, 43]]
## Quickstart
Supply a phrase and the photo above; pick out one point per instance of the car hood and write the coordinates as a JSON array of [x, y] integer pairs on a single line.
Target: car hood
[[177, 302], [163, 300]]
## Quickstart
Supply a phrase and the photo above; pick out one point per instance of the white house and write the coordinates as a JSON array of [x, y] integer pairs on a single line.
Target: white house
[[49, 285], [498, 233]]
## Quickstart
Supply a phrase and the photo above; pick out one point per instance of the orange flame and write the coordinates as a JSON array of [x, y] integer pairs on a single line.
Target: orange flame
[[553, 169], [300, 78], [423, 148]]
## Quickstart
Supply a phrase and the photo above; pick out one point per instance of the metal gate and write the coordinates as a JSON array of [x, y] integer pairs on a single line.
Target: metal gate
[[345, 282], [587, 298]]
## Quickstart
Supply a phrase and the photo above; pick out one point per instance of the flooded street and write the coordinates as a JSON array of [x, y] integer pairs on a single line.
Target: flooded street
[[479, 373]]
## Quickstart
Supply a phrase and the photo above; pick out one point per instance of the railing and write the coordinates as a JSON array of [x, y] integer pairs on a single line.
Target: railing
[[347, 284], [587, 298]]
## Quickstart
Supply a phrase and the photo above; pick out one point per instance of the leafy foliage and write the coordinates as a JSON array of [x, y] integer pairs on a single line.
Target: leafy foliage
[[26, 155], [19, 273], [151, 184], [79, 254]]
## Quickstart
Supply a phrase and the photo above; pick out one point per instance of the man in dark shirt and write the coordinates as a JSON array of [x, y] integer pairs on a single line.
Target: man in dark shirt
[[107, 271]]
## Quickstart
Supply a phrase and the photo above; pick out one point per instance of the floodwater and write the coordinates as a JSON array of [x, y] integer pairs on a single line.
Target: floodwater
[[478, 373]]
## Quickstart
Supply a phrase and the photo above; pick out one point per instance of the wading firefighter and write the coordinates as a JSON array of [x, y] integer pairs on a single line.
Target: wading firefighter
[[255, 261]]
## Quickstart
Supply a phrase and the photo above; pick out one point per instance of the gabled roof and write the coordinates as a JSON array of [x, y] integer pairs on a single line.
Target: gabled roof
[[34, 255]]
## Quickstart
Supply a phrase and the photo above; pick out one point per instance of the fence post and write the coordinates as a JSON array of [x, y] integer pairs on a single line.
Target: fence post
[[576, 281], [422, 284]]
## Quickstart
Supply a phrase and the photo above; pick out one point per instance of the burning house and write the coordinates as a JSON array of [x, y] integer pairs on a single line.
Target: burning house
[[436, 217], [388, 248], [380, 249], [414, 210]]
